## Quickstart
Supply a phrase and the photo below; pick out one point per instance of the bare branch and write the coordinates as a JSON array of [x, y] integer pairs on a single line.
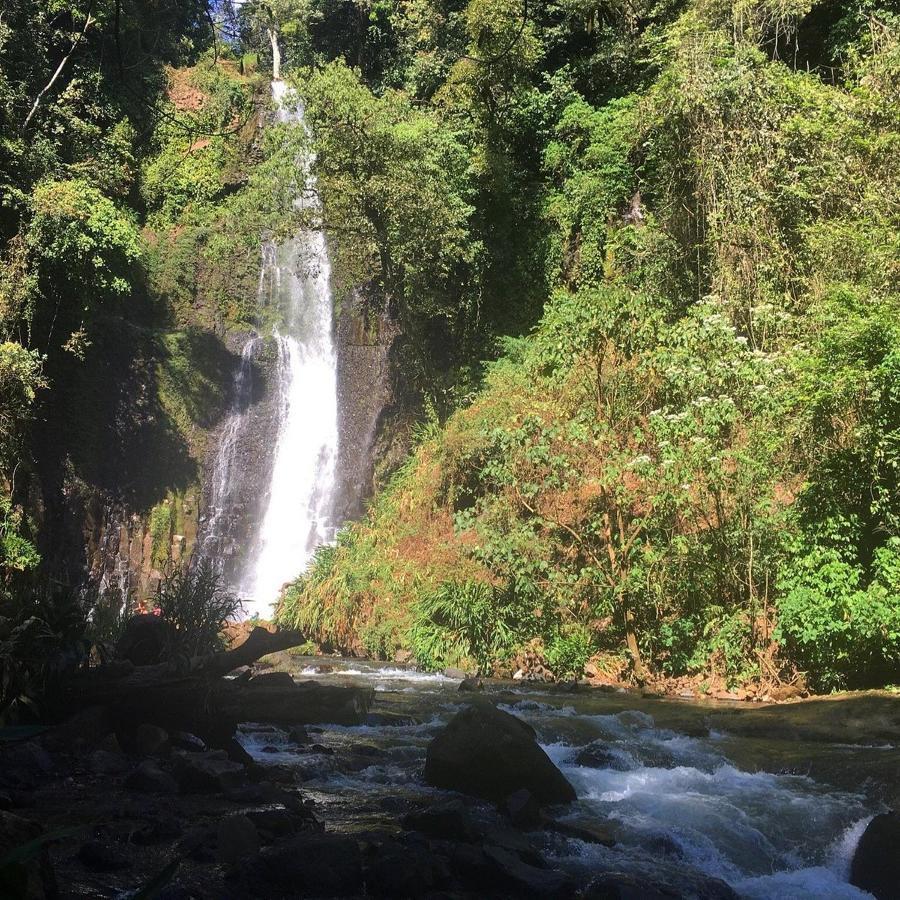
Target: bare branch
[[37, 100]]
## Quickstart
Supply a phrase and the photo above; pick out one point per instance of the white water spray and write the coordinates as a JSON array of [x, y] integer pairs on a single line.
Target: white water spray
[[298, 510]]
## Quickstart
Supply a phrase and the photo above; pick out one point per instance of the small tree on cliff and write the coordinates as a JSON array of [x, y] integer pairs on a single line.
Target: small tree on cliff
[[281, 20]]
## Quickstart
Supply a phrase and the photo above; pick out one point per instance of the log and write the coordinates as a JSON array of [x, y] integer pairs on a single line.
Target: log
[[200, 700], [260, 643]]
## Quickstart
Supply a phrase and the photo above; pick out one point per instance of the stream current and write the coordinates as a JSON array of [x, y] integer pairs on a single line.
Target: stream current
[[679, 805]]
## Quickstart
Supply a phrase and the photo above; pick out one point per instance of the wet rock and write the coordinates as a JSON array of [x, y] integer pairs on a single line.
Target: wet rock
[[522, 809], [529, 880], [876, 861], [207, 773], [281, 774], [237, 753], [515, 842], [151, 740], [471, 685], [159, 831], [103, 762], [298, 735], [598, 755], [454, 673], [87, 730], [396, 720], [369, 750], [495, 871], [317, 750], [265, 792], [676, 884], [622, 886], [449, 821], [199, 844], [397, 871], [278, 823], [184, 740], [590, 832], [103, 856], [31, 877], [316, 865], [272, 680], [144, 640], [149, 778], [663, 845], [491, 754], [23, 765], [237, 837]]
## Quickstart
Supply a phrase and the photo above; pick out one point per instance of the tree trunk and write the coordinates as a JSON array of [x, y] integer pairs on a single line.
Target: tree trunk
[[276, 53], [632, 644]]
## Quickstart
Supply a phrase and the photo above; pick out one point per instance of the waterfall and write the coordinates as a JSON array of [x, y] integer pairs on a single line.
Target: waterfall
[[294, 512]]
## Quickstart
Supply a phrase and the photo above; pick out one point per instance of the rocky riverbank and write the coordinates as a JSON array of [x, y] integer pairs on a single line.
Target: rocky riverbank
[[439, 792]]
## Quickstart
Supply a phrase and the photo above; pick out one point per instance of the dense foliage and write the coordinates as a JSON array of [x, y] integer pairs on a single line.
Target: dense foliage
[[670, 227], [134, 186], [690, 465]]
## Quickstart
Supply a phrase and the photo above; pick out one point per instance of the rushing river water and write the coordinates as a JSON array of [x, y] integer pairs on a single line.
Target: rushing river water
[[678, 804]]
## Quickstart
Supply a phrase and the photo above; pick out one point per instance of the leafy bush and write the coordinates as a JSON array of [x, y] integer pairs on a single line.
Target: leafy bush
[[469, 620], [76, 229], [43, 635], [569, 650], [198, 606], [843, 631]]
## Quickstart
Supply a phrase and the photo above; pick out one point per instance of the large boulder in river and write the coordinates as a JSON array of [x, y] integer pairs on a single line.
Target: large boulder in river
[[489, 753], [876, 861]]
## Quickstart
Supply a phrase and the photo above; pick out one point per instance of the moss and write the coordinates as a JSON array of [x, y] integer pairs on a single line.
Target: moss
[[161, 520]]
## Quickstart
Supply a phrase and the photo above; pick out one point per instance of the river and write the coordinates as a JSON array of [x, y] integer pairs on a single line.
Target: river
[[684, 793]]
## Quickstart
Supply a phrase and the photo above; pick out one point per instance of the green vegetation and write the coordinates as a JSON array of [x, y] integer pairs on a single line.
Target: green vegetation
[[134, 187], [197, 606], [645, 264], [689, 466]]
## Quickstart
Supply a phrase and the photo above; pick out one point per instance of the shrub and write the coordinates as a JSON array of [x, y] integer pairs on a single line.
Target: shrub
[[197, 606], [569, 650], [466, 620], [843, 632]]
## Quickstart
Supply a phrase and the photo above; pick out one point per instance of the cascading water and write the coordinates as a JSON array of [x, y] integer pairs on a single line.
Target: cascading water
[[296, 513], [220, 542]]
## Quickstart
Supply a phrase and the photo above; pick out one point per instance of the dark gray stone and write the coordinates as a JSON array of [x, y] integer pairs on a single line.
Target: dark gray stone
[[522, 809], [876, 861], [237, 838], [449, 821], [144, 640], [149, 778], [103, 856], [489, 753], [151, 740], [207, 773], [314, 865]]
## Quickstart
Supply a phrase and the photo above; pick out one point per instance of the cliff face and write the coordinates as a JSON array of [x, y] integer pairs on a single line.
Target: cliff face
[[127, 539], [367, 396]]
